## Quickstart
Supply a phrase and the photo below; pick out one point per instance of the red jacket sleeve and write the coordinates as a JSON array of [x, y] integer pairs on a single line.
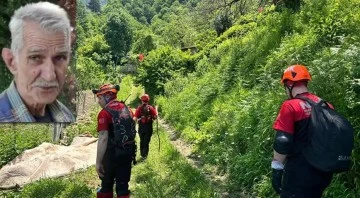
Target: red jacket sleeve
[[137, 112], [153, 112], [103, 121], [285, 120]]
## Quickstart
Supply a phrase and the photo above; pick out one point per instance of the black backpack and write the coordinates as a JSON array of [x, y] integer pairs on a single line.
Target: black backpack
[[145, 112], [331, 138], [123, 129]]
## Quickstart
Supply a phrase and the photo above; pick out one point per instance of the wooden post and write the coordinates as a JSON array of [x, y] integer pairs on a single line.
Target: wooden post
[[57, 131]]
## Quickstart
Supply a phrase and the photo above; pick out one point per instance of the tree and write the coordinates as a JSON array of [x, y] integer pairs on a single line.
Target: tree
[[144, 42], [222, 23], [291, 4], [159, 67], [221, 13], [94, 6], [81, 13], [118, 35]]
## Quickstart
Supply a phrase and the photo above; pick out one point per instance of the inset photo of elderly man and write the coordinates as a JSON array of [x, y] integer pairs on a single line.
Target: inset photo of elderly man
[[36, 54]]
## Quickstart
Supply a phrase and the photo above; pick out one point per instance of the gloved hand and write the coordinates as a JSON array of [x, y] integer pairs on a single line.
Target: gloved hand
[[276, 179]]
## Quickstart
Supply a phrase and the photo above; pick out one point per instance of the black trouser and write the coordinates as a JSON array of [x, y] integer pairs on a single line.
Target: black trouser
[[116, 166], [301, 180], [145, 133]]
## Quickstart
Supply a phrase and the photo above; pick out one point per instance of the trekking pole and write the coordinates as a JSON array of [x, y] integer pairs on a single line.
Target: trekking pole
[[157, 126], [126, 98], [157, 131]]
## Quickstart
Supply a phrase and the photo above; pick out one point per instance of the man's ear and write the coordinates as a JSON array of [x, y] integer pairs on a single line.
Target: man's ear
[[9, 60]]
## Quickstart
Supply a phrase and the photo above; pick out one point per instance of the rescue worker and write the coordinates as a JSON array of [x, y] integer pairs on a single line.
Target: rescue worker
[[292, 175], [111, 164], [144, 116]]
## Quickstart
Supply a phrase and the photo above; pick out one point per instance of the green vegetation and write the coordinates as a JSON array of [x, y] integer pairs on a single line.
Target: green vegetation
[[224, 96], [228, 105], [164, 174], [167, 174], [49, 188], [15, 138]]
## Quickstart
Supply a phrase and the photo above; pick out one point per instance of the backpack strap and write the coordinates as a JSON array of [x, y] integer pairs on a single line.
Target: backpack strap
[[311, 102], [113, 112]]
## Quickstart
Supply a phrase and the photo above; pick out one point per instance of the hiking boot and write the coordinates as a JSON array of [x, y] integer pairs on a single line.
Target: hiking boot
[[124, 196], [104, 195]]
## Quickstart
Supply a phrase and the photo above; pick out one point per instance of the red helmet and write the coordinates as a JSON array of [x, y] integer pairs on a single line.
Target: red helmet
[[106, 88], [145, 98], [296, 73]]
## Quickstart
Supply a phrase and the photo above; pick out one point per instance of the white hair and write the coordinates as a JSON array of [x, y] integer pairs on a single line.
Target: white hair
[[50, 17]]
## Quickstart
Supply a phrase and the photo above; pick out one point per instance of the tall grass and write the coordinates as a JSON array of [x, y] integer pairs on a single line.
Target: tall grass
[[15, 138], [166, 173], [226, 108]]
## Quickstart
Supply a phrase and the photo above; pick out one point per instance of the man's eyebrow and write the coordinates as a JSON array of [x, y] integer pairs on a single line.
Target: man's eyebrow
[[36, 50], [63, 50]]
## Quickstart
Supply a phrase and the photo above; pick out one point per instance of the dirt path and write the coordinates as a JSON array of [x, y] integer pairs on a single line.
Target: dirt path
[[86, 102], [217, 181]]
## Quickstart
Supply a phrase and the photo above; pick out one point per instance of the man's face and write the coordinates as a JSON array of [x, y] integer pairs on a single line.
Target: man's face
[[101, 101], [40, 70]]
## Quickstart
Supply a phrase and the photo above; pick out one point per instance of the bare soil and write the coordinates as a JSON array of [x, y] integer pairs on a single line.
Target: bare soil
[[210, 172], [86, 101]]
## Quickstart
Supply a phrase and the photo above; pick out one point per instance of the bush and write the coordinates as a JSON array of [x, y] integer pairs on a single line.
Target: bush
[[15, 138], [159, 67]]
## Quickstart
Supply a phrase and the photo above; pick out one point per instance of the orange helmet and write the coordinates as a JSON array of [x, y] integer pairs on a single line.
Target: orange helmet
[[106, 88], [145, 98], [296, 73]]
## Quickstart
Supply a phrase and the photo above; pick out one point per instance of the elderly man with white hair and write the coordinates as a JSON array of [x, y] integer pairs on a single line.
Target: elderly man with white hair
[[38, 59]]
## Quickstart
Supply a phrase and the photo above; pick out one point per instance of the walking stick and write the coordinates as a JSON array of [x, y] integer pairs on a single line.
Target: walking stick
[[157, 126], [126, 99]]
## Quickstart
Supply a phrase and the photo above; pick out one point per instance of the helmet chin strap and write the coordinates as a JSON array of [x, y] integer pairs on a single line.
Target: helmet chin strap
[[290, 88], [106, 98]]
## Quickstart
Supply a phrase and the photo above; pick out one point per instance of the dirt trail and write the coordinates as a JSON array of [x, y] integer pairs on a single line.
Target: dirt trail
[[217, 181], [86, 102]]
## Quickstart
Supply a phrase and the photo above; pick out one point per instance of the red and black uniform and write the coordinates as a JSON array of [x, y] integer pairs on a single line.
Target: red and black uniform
[[300, 179], [145, 126], [116, 165]]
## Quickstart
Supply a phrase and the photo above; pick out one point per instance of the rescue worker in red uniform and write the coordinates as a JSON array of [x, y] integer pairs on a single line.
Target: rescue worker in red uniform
[[292, 175], [110, 165], [144, 116]]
